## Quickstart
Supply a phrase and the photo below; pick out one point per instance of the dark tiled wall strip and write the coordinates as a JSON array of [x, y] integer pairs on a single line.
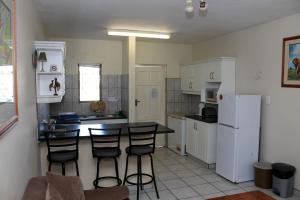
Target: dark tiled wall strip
[[115, 93], [177, 102]]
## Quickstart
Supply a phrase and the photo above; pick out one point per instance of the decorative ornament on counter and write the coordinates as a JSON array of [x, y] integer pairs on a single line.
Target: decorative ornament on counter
[[55, 85], [42, 58], [53, 68], [98, 106]]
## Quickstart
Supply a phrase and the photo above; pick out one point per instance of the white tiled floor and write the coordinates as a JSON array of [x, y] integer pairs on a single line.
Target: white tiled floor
[[180, 177]]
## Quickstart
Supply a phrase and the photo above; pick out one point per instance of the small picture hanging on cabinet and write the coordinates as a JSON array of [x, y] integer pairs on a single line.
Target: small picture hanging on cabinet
[[53, 68], [55, 85]]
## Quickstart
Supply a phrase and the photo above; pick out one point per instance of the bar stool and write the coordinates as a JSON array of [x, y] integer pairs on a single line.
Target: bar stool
[[141, 143], [62, 148], [106, 144]]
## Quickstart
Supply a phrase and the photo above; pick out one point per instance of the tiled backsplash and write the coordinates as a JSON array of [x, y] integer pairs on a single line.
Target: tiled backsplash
[[111, 94], [115, 94], [177, 102]]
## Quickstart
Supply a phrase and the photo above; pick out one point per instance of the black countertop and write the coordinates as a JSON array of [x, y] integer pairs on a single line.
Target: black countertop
[[80, 118], [84, 132], [203, 119]]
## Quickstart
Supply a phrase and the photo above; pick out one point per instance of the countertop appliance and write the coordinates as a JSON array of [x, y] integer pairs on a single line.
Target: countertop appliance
[[67, 118], [209, 112], [238, 136], [177, 140], [211, 94]]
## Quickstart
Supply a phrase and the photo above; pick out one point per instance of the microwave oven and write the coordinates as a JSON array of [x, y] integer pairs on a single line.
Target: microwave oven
[[211, 94]]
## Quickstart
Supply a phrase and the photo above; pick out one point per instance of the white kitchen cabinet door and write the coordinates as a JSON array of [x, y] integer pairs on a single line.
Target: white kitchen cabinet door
[[210, 145], [212, 71], [190, 136], [201, 140], [191, 82]]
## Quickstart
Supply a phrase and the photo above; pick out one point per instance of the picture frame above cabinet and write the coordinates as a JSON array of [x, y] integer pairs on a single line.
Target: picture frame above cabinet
[[50, 71]]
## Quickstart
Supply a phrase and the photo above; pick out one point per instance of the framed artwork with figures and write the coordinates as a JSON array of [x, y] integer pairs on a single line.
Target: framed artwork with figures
[[291, 62]]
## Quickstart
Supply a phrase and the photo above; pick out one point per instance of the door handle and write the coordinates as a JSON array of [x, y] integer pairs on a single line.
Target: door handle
[[212, 75], [136, 102]]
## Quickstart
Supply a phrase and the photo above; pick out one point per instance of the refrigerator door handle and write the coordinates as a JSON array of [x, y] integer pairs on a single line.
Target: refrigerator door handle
[[228, 126]]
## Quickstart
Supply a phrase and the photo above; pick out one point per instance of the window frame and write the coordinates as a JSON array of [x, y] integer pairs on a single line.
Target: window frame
[[100, 83]]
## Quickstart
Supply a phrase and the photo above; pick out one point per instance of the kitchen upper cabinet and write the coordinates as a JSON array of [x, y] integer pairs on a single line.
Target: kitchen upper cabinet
[[190, 79], [211, 71], [201, 140], [50, 71], [194, 77]]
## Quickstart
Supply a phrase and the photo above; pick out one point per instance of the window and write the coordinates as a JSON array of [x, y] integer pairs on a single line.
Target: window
[[89, 82]]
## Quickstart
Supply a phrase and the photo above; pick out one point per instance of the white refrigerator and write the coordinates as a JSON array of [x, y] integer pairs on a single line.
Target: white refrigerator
[[238, 136]]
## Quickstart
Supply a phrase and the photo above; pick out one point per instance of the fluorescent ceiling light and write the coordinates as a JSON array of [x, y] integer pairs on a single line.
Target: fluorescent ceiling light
[[138, 34]]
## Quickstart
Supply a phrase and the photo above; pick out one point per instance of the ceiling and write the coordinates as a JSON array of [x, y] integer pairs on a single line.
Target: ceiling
[[91, 18]]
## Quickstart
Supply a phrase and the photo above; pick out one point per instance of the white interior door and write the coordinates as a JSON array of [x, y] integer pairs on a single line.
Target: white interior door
[[150, 96]]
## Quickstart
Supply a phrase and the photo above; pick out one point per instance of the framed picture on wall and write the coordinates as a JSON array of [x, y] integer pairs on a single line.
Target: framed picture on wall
[[290, 76]]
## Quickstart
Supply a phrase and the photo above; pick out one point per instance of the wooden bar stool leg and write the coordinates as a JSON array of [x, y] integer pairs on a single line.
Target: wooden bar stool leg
[[49, 166], [117, 170], [97, 174], [77, 170], [63, 169], [126, 168], [141, 176], [138, 178], [152, 169]]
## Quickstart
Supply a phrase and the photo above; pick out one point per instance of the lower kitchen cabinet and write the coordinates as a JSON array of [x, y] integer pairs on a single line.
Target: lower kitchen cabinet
[[201, 140]]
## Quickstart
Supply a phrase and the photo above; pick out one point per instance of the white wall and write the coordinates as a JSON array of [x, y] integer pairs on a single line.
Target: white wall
[[110, 53], [107, 52], [172, 55], [259, 51], [19, 155]]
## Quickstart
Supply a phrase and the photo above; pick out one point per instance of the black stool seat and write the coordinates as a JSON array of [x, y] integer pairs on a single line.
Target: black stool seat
[[107, 152], [63, 156], [139, 150], [106, 144]]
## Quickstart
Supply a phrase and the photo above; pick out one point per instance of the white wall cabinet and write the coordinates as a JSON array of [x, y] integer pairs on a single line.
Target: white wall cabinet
[[49, 70], [201, 140], [190, 80], [196, 76]]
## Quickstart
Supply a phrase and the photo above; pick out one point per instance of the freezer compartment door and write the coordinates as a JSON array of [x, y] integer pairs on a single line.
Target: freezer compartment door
[[228, 111], [226, 152]]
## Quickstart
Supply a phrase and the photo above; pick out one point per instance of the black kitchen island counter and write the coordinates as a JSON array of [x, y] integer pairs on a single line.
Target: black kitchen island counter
[[84, 132]]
